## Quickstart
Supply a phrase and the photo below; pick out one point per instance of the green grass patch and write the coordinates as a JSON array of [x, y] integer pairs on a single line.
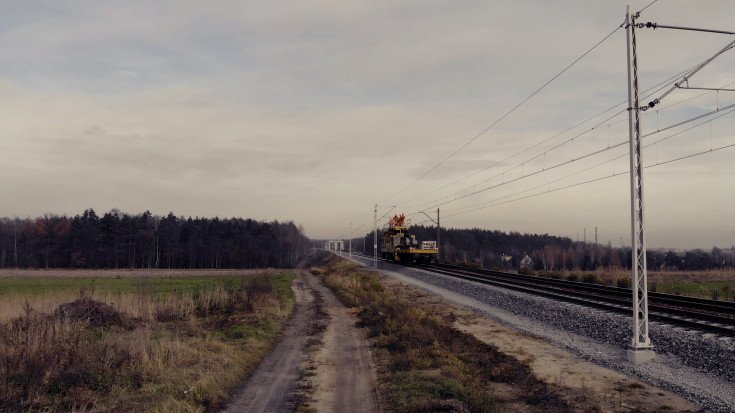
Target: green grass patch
[[724, 290], [154, 286]]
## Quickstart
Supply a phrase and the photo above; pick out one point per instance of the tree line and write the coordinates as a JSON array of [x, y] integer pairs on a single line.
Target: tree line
[[497, 249], [121, 240]]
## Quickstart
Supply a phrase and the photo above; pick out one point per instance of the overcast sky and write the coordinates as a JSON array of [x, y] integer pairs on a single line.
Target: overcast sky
[[314, 111]]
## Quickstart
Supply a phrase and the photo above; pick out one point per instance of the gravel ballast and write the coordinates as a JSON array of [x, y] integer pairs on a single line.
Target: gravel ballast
[[697, 366]]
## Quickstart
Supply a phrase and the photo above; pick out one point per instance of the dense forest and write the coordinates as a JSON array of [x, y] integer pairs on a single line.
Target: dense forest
[[120, 240], [496, 249]]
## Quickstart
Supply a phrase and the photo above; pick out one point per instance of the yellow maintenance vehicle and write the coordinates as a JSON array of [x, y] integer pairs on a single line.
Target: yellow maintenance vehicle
[[399, 245]]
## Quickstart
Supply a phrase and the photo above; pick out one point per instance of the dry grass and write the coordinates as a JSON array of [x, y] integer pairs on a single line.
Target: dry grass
[[172, 353], [126, 273], [716, 284], [610, 276], [426, 365], [141, 306]]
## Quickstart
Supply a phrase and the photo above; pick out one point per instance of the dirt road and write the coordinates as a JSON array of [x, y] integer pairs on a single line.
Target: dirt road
[[340, 374], [343, 378], [274, 385]]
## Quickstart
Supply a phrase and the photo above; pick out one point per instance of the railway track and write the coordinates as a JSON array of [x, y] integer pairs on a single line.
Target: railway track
[[690, 312]]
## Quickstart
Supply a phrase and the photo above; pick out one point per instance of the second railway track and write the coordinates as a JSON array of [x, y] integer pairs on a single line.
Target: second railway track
[[691, 312], [696, 313]]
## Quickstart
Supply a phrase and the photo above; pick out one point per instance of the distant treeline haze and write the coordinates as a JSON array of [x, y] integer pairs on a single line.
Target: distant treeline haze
[[496, 249], [120, 240]]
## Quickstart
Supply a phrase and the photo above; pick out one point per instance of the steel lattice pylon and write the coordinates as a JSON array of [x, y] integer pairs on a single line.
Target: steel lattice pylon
[[641, 347]]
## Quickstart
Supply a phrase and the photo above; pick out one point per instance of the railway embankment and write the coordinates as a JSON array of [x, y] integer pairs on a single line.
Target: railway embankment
[[690, 364]]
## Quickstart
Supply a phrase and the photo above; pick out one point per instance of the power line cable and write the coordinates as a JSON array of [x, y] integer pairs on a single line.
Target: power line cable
[[588, 155], [649, 5], [505, 115], [732, 145], [547, 184], [650, 92]]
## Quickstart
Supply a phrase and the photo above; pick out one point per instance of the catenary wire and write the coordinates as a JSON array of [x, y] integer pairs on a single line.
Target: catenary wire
[[504, 116], [650, 92], [475, 192]]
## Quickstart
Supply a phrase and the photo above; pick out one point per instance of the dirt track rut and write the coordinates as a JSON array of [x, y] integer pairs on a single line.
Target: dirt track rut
[[341, 373], [274, 385], [343, 378]]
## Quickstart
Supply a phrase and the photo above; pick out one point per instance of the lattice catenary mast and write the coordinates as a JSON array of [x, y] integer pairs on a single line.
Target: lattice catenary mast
[[641, 347]]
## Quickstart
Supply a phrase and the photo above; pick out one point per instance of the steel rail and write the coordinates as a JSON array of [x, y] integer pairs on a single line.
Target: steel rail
[[600, 297], [686, 318], [694, 303]]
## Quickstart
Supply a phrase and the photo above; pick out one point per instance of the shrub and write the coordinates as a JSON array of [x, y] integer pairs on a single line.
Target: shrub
[[590, 278], [526, 270], [556, 275], [623, 282]]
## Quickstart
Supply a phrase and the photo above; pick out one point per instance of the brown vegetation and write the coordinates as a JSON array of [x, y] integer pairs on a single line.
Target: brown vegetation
[[179, 353], [714, 284], [425, 364]]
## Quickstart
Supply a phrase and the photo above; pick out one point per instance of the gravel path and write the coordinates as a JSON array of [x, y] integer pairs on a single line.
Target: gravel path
[[699, 367]]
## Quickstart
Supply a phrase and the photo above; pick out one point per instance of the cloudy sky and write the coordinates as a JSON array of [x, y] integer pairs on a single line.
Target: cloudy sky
[[314, 111]]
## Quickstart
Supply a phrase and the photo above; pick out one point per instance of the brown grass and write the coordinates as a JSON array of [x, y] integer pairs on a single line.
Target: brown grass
[[424, 364], [135, 305], [611, 277], [127, 273], [173, 354]]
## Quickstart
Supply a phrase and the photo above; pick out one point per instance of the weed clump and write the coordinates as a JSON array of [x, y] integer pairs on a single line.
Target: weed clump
[[92, 312], [623, 282], [590, 278]]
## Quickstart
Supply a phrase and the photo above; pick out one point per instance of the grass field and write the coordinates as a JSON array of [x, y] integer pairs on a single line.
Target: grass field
[[45, 290], [715, 284], [156, 342], [714, 290]]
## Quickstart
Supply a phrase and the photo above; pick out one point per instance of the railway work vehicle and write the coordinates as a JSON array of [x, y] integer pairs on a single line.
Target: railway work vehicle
[[399, 245]]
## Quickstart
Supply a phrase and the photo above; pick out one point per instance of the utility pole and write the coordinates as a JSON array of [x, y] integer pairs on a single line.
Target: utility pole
[[375, 239], [438, 240], [641, 348], [350, 235], [438, 231]]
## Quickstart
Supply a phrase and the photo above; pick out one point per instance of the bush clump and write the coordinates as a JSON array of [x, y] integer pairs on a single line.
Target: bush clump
[[92, 312], [590, 278]]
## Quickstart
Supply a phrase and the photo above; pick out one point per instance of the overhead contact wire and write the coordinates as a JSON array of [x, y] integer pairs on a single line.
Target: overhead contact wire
[[660, 86], [597, 152], [505, 115]]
